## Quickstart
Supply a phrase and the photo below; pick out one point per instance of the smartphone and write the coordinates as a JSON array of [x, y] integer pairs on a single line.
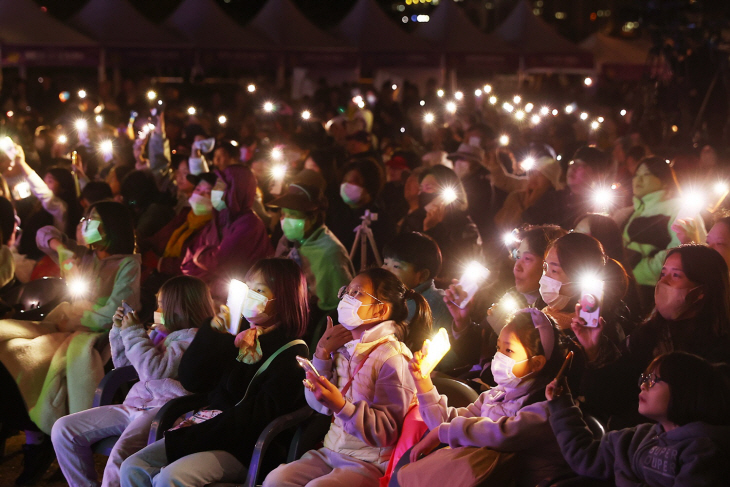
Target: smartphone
[[565, 367], [474, 276], [127, 308], [591, 296], [307, 365]]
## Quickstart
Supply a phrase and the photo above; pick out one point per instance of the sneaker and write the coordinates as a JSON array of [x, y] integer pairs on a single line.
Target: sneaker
[[36, 460]]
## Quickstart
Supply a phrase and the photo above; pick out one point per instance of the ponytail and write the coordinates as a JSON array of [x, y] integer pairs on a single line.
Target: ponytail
[[419, 329], [392, 291]]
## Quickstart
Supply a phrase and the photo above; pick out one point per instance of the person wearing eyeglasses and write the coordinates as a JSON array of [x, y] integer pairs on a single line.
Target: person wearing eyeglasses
[[364, 383], [688, 401]]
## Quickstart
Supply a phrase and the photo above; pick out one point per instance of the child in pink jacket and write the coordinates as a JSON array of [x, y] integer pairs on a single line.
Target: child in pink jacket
[[183, 303]]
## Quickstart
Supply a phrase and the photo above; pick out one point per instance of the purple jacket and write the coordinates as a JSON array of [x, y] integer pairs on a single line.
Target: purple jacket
[[156, 365], [233, 241]]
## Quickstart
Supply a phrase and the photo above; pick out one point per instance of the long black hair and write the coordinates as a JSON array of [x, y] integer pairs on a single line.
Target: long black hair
[[118, 227], [68, 194]]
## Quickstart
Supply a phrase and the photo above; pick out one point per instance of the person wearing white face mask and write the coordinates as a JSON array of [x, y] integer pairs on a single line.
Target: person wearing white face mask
[[509, 419], [364, 383], [250, 379], [692, 314], [312, 245], [360, 191], [62, 359]]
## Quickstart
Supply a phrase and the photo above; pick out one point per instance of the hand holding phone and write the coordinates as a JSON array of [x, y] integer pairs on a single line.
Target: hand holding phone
[[127, 308], [307, 365], [591, 296], [473, 277]]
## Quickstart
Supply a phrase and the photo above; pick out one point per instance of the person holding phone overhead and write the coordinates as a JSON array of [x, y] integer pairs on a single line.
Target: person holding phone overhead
[[250, 379]]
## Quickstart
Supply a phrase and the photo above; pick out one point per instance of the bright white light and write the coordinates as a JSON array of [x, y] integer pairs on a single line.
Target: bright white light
[[394, 87], [504, 139], [510, 238], [278, 172], [693, 202], [451, 107], [429, 118], [459, 95], [544, 111], [435, 349], [62, 139], [222, 119], [603, 197], [361, 105], [277, 154], [403, 130], [517, 99], [588, 81], [559, 158], [569, 109], [81, 125], [448, 195], [595, 125], [306, 115], [529, 107], [251, 87], [555, 112], [528, 163], [422, 103], [22, 189], [7, 145], [584, 116], [487, 88], [535, 119], [493, 100], [440, 93], [151, 95], [507, 107], [159, 102], [191, 110], [510, 304], [99, 119], [477, 93], [106, 147], [234, 143], [268, 107], [721, 187], [10, 113], [600, 119], [78, 287], [623, 113], [82, 94], [520, 115]]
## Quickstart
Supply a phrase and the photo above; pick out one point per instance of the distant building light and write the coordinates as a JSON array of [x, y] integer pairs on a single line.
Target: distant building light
[[404, 19], [423, 18], [560, 15]]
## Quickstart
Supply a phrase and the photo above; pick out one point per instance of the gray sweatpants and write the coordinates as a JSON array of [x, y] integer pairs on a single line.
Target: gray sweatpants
[[149, 467], [325, 468]]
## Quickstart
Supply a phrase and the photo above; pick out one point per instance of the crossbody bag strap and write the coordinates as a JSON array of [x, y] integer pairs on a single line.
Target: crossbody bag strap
[[359, 366], [268, 361]]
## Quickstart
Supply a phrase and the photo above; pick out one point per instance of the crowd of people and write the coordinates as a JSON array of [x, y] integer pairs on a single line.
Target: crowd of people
[[563, 266]]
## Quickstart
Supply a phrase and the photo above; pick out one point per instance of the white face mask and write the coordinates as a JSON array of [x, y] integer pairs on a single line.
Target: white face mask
[[550, 292], [216, 197], [347, 312], [254, 306], [200, 205], [351, 193], [502, 366]]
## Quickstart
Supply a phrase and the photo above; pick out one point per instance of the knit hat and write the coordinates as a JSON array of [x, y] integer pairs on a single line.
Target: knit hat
[[550, 168]]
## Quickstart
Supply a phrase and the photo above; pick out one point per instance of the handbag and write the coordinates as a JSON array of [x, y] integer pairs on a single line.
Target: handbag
[[465, 466]]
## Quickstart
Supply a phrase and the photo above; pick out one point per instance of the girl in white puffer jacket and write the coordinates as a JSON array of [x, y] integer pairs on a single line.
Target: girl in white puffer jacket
[[183, 303]]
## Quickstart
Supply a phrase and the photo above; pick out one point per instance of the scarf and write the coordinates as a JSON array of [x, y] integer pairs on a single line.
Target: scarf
[[192, 224], [249, 346]]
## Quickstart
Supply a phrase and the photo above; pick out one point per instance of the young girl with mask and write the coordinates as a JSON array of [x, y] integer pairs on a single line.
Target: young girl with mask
[[364, 383], [686, 397], [61, 359], [510, 420], [183, 303], [251, 379], [692, 314]]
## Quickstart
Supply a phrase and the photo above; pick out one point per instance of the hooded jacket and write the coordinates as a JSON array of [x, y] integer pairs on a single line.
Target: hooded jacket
[[693, 454], [233, 240]]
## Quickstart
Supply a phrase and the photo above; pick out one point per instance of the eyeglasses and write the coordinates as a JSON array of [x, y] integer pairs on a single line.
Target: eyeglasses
[[354, 293], [649, 380]]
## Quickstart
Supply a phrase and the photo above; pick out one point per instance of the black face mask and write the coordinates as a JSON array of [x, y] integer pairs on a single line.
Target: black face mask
[[426, 198]]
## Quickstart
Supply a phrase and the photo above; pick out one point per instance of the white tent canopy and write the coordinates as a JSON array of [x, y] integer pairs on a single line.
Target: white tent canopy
[[204, 24], [367, 28], [289, 28], [116, 23], [450, 30], [23, 23]]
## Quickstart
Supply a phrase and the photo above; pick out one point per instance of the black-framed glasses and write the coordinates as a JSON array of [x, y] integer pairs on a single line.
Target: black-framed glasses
[[649, 379], [354, 293]]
